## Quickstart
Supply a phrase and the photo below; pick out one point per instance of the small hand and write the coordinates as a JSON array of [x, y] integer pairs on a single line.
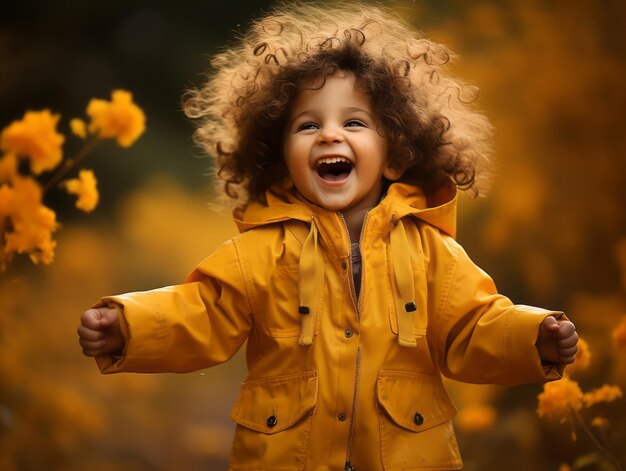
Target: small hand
[[557, 341], [99, 332]]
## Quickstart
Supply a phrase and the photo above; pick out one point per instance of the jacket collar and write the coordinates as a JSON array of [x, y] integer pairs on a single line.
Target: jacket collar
[[437, 209], [279, 204]]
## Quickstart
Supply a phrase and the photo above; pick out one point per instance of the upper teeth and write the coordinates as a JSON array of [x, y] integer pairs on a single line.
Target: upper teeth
[[332, 160]]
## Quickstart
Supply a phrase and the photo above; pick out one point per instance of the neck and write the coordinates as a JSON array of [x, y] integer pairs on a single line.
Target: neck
[[354, 222]]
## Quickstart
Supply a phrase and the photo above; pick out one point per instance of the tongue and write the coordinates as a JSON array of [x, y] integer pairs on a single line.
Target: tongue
[[334, 177], [334, 172]]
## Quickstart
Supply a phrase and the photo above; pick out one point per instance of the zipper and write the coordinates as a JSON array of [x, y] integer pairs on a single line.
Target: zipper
[[355, 395], [357, 301], [357, 305]]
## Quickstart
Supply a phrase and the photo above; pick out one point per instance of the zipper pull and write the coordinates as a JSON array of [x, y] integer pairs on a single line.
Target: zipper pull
[[349, 467]]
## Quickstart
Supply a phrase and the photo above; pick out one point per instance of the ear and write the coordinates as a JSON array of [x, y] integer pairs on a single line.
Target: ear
[[391, 173]]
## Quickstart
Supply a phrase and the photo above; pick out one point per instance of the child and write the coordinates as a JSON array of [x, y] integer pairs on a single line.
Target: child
[[339, 132]]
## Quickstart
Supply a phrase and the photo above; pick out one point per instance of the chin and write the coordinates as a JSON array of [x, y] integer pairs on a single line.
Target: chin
[[333, 206]]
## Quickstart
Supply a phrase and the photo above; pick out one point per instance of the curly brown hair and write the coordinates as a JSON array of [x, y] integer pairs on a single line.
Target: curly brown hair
[[432, 132]]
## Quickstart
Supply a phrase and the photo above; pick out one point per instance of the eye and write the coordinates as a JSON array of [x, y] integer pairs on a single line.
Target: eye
[[307, 126], [354, 123]]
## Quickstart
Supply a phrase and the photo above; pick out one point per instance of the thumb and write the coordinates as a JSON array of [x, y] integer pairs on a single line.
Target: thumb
[[108, 316], [551, 324]]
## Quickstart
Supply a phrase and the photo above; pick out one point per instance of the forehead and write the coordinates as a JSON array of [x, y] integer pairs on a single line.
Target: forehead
[[335, 90]]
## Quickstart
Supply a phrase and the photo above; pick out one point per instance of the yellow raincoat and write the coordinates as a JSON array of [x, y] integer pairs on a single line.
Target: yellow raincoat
[[333, 379]]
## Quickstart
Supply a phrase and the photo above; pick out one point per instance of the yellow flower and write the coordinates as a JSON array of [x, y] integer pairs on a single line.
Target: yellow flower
[[619, 334], [32, 223], [6, 201], [601, 423], [583, 357], [120, 118], [559, 398], [606, 393], [8, 167], [476, 417], [35, 137], [85, 187], [78, 127]]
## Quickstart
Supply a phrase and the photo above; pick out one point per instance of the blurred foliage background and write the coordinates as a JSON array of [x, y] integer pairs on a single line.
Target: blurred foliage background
[[552, 232]]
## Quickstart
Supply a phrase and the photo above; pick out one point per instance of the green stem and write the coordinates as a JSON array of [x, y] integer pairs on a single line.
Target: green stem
[[71, 163], [595, 440]]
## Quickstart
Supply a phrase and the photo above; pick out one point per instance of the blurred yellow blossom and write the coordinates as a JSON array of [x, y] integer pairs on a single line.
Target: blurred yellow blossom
[[8, 167], [85, 187], [119, 118], [601, 423], [619, 334], [605, 393], [26, 225], [6, 202], [559, 398], [35, 137], [476, 417], [565, 467], [78, 127], [32, 223]]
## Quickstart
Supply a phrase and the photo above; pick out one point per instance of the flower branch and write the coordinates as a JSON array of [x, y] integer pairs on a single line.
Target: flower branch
[[26, 224]]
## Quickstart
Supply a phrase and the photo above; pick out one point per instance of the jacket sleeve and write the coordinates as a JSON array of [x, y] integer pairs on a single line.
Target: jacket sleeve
[[183, 328], [482, 337]]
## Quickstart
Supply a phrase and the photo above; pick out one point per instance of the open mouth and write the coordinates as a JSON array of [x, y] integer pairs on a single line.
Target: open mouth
[[333, 168]]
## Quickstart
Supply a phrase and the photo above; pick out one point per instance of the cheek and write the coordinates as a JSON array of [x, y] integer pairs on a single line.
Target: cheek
[[296, 153], [288, 155], [291, 147]]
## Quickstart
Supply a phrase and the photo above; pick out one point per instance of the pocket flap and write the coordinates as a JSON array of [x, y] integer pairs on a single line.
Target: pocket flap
[[270, 405], [414, 401]]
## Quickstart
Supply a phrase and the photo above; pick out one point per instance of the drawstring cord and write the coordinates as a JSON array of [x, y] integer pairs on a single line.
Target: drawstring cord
[[412, 316], [311, 284], [410, 309]]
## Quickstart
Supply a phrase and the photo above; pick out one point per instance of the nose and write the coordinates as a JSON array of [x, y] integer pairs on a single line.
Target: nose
[[329, 135]]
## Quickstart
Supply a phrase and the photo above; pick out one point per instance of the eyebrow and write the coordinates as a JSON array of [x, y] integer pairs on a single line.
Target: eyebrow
[[350, 109]]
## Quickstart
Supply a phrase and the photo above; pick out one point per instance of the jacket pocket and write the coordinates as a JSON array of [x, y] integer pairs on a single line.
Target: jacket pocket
[[274, 417], [415, 418]]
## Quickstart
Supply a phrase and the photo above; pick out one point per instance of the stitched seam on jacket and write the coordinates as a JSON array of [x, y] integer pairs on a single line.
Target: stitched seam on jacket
[[506, 338], [281, 379], [440, 317], [162, 333], [245, 275]]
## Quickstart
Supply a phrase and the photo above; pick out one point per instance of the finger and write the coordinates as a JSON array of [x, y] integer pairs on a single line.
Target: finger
[[550, 324], [569, 341], [89, 334], [91, 353], [91, 345], [545, 327], [566, 329], [567, 360], [91, 319], [568, 352], [108, 316]]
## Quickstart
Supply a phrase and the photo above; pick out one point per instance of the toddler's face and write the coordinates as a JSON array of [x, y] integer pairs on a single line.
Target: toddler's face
[[334, 154]]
